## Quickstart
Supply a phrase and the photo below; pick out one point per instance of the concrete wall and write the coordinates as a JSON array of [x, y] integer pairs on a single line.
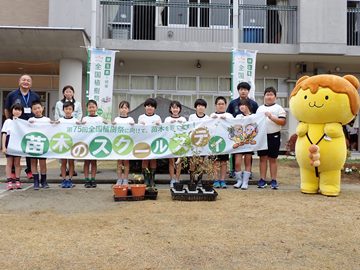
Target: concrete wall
[[70, 13], [24, 12], [322, 26]]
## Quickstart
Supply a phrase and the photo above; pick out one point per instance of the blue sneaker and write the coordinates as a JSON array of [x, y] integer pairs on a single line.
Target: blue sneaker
[[69, 184], [64, 183], [223, 184], [262, 183], [274, 184], [217, 184]]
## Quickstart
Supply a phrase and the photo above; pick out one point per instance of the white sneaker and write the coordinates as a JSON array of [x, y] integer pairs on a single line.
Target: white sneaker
[[172, 181], [119, 182], [238, 184]]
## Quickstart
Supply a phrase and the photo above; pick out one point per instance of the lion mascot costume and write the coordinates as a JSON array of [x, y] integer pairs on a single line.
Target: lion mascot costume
[[322, 104]]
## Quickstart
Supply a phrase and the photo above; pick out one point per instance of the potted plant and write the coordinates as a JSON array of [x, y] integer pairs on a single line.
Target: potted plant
[[202, 166], [137, 189]]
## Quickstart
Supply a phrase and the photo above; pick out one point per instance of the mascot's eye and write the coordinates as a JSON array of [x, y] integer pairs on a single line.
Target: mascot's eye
[[326, 97], [305, 97]]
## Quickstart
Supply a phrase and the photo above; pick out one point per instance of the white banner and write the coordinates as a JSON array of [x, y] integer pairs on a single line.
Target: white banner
[[101, 80], [112, 142], [243, 70]]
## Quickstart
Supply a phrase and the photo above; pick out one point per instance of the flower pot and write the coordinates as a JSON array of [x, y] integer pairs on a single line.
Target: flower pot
[[120, 190], [207, 185], [138, 190], [178, 186], [192, 186]]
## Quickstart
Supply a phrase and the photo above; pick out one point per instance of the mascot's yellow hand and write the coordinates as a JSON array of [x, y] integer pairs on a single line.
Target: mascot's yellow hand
[[333, 130], [301, 129]]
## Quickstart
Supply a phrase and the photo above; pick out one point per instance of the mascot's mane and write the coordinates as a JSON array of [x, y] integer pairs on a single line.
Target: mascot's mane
[[346, 85]]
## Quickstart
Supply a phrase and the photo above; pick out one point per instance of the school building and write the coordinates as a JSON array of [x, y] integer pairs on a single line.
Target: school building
[[176, 49]]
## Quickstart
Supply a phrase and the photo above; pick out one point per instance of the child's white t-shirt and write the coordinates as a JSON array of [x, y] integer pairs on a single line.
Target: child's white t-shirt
[[124, 120], [219, 115], [96, 119], [171, 119], [72, 120], [42, 119], [276, 110], [149, 119], [7, 126], [195, 118]]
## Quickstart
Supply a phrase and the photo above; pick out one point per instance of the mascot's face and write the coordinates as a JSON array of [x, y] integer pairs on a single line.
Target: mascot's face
[[325, 99], [324, 106]]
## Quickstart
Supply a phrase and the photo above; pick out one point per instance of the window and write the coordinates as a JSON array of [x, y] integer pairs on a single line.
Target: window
[[166, 83], [208, 84], [220, 15], [142, 82], [187, 83], [199, 16], [178, 14]]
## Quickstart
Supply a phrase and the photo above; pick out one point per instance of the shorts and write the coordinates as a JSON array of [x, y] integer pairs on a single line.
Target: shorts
[[222, 157], [273, 141]]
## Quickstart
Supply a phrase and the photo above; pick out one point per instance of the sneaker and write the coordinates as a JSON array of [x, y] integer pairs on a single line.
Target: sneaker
[[93, 184], [18, 185], [274, 184], [217, 184], [64, 183], [172, 181], [125, 182], [29, 175], [119, 182], [70, 184], [262, 183], [87, 184], [223, 184], [45, 184], [9, 185]]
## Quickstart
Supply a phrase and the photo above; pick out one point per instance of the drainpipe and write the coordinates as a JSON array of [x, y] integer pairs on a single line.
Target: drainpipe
[[235, 24], [93, 23]]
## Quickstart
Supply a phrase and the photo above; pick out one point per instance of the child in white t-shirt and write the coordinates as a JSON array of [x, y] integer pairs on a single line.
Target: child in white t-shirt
[[91, 118], [149, 118], [242, 177], [68, 108], [199, 115], [37, 109], [221, 160], [276, 118], [174, 110], [123, 166], [15, 112]]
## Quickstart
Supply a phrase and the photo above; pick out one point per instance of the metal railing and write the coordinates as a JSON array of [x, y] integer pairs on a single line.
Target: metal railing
[[353, 26], [177, 20]]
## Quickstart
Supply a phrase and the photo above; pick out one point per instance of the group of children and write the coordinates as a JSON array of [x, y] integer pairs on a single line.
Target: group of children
[[275, 114]]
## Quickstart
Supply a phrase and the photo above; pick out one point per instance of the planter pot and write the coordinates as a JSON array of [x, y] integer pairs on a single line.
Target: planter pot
[[138, 190], [207, 185], [120, 190], [192, 186], [178, 186]]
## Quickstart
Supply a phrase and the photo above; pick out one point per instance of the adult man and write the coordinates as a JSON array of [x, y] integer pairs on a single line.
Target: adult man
[[234, 109], [24, 96]]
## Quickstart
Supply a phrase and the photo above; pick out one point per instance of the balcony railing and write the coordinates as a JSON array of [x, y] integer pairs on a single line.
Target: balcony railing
[[353, 26], [177, 20]]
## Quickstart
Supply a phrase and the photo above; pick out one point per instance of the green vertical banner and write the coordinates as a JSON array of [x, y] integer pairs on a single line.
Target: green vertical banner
[[101, 80], [243, 70]]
